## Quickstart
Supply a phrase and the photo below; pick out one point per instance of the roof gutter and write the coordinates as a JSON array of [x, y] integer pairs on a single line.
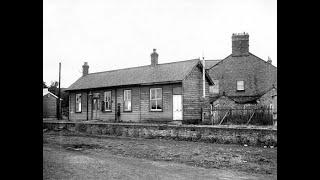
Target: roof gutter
[[127, 85]]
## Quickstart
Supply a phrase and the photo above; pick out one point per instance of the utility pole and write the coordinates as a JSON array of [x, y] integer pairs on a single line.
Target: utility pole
[[203, 77], [203, 87], [59, 95]]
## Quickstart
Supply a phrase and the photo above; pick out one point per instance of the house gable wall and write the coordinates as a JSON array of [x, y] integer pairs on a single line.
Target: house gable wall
[[258, 75], [192, 93], [49, 106]]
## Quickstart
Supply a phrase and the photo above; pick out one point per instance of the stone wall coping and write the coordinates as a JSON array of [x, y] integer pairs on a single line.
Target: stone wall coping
[[163, 125]]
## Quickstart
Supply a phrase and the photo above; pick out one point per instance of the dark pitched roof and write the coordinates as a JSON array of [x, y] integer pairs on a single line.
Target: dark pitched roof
[[238, 57], [45, 91], [245, 99], [210, 63], [167, 72], [274, 93], [237, 99]]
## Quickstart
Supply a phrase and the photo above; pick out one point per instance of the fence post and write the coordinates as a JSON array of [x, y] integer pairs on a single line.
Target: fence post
[[251, 117]]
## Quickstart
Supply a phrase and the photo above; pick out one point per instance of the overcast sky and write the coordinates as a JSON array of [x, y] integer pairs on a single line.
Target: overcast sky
[[115, 34]]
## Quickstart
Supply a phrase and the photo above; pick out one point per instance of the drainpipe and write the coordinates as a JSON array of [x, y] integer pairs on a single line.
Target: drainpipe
[[59, 95], [139, 103], [87, 106], [203, 88], [203, 77], [115, 105], [69, 106]]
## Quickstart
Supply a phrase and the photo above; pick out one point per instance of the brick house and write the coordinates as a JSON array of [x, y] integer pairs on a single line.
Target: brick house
[[242, 76], [169, 92]]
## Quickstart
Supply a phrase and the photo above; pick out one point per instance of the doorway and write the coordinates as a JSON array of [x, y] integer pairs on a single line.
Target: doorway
[[177, 107], [95, 109]]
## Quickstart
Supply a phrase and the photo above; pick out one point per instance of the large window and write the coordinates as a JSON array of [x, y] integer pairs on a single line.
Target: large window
[[107, 101], [78, 102], [240, 85], [127, 100], [156, 99]]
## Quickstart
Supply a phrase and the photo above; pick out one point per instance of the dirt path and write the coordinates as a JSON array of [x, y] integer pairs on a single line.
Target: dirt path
[[114, 159], [62, 164]]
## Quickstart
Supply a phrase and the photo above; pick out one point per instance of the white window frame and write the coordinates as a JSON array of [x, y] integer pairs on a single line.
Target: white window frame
[[127, 99], [107, 108], [239, 86], [156, 99], [78, 102]]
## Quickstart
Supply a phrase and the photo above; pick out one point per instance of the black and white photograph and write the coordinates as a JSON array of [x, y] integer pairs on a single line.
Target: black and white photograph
[[159, 89]]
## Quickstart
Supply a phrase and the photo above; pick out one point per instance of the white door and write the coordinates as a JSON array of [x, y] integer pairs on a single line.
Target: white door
[[177, 107]]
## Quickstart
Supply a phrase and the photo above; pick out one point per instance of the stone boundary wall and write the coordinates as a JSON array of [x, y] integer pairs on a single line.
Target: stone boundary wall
[[211, 134]]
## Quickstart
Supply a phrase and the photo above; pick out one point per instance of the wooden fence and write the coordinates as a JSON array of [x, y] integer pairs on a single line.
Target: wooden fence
[[242, 116]]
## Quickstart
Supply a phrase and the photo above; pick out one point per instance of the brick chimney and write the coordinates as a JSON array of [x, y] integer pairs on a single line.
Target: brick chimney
[[85, 69], [240, 44], [154, 58]]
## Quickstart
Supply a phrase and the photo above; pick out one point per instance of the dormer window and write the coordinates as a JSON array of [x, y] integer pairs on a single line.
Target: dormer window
[[240, 85]]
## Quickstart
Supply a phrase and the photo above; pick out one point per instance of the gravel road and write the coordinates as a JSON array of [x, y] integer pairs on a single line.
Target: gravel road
[[72, 157]]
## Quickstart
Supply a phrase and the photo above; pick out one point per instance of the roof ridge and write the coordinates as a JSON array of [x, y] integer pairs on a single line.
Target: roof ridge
[[262, 60], [213, 59], [140, 66], [220, 61]]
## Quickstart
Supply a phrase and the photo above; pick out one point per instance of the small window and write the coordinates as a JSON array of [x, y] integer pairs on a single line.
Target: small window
[[127, 100], [107, 101], [240, 85], [215, 88], [78, 102], [156, 99]]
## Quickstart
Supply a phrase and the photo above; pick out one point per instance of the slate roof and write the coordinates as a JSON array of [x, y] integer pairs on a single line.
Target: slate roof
[[45, 91], [210, 63], [250, 55], [238, 99], [167, 72], [245, 99]]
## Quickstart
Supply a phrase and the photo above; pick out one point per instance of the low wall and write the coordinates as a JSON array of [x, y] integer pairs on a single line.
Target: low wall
[[253, 137]]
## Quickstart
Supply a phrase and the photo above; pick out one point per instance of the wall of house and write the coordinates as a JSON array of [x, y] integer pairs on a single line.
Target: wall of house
[[103, 115], [257, 74], [49, 106], [192, 93], [140, 104]]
